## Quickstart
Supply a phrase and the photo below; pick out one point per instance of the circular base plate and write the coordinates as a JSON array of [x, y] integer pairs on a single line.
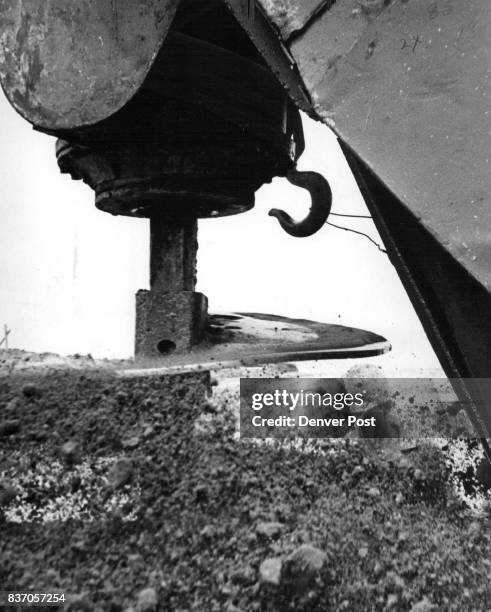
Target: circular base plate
[[252, 339]]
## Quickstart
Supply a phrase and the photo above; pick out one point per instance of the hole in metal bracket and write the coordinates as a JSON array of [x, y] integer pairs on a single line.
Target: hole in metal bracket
[[166, 347]]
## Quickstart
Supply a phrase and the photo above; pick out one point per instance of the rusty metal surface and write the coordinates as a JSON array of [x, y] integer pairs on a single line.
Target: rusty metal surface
[[171, 316], [69, 64], [173, 254], [406, 84], [168, 322]]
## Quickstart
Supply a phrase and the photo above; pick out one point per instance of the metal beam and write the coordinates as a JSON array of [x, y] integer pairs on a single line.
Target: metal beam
[[454, 308]]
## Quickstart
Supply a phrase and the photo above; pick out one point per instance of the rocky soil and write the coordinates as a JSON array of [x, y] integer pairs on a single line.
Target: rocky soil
[[136, 494]]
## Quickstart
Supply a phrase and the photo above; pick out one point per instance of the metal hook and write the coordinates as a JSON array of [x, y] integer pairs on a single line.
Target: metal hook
[[321, 196]]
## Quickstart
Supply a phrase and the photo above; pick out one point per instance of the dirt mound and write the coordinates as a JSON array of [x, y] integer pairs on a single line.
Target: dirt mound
[[135, 494]]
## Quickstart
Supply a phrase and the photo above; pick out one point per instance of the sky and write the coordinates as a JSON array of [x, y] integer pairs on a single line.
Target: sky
[[69, 272]]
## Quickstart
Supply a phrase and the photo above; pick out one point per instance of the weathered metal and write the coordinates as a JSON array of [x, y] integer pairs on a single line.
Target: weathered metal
[[406, 84], [168, 322], [139, 181], [64, 65], [171, 130], [173, 254], [195, 141], [321, 201], [251, 339], [453, 307], [205, 130], [171, 316]]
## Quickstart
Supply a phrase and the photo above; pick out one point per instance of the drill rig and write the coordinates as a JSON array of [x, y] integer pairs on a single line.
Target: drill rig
[[179, 110]]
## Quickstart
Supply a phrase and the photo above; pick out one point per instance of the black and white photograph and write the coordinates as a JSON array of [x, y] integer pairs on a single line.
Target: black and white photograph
[[245, 305]]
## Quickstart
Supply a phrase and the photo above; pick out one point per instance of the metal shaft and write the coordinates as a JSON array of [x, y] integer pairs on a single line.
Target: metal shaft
[[173, 255], [171, 316]]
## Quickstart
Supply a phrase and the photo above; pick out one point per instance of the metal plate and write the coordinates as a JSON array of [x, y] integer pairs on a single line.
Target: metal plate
[[69, 64], [453, 307], [251, 339], [406, 84]]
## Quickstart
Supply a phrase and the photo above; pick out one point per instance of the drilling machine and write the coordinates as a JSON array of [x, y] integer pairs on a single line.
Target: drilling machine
[[179, 110]]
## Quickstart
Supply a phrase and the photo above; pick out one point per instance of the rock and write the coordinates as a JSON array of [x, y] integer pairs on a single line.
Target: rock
[[30, 390], [303, 566], [226, 590], [52, 574], [243, 576], [7, 493], [134, 559], [424, 605], [208, 531], [209, 408], [75, 483], [270, 571], [79, 546], [373, 492], [408, 447], [201, 492], [120, 473], [363, 552], [392, 601], [148, 432], [474, 531], [9, 427], [130, 443], [403, 536], [121, 397], [147, 600], [269, 530], [12, 406], [70, 452], [303, 536]]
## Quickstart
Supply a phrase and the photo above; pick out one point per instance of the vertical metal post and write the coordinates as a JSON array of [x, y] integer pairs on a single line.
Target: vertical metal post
[[171, 316], [173, 254]]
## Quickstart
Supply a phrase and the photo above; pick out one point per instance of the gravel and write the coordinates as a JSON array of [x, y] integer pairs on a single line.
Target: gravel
[[193, 518]]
